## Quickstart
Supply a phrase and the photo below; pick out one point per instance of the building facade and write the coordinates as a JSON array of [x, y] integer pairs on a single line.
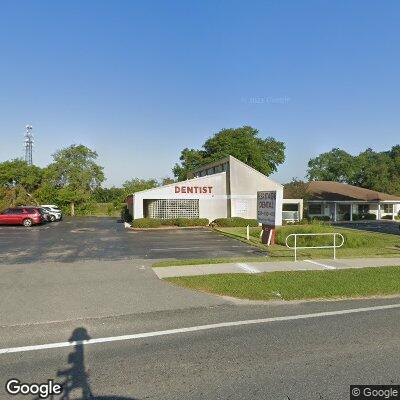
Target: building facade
[[342, 202], [226, 188]]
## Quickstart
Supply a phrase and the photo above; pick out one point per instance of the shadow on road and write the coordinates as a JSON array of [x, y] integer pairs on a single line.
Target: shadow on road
[[75, 379]]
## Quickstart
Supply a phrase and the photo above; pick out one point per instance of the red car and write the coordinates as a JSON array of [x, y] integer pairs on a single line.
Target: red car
[[26, 216]]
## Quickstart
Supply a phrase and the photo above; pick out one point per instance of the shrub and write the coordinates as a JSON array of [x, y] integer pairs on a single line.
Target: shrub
[[369, 217], [234, 222], [355, 217], [323, 218], [125, 216], [191, 222], [353, 239], [157, 223], [146, 223]]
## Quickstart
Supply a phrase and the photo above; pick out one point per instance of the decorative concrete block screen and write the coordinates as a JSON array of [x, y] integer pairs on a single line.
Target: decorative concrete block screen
[[172, 208]]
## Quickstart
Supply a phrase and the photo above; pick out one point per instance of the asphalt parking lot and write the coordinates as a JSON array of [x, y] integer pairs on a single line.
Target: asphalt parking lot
[[392, 227], [91, 238]]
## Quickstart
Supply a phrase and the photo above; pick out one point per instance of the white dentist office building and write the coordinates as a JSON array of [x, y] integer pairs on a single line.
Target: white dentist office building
[[225, 188]]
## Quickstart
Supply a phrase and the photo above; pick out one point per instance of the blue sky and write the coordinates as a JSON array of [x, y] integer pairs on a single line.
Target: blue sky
[[139, 81]]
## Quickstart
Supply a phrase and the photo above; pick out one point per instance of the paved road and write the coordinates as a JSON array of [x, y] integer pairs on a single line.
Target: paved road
[[392, 227], [89, 238], [307, 358]]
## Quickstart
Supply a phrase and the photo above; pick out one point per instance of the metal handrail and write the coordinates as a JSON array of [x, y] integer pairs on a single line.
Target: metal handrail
[[334, 246]]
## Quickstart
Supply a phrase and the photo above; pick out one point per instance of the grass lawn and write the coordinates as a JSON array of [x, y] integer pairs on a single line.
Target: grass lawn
[[357, 243], [296, 285]]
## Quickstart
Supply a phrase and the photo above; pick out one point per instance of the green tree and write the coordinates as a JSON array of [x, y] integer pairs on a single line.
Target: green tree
[[190, 160], [243, 143], [137, 185], [374, 170], [47, 193], [19, 173], [335, 165], [109, 195], [296, 189], [167, 181], [76, 174]]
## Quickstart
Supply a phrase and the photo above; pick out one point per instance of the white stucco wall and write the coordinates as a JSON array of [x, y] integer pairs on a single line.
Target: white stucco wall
[[212, 199], [232, 193], [244, 184]]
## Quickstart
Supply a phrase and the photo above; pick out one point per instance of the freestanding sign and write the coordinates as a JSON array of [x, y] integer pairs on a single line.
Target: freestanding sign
[[269, 213]]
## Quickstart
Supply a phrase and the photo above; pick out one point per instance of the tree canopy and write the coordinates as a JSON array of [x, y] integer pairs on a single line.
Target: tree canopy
[[137, 185], [18, 173], [378, 171], [75, 173], [296, 189], [243, 143]]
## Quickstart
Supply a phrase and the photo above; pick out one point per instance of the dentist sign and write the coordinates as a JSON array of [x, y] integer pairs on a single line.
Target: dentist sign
[[269, 213]]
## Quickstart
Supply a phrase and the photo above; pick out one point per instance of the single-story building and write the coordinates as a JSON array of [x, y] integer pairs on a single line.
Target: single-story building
[[343, 202], [224, 188]]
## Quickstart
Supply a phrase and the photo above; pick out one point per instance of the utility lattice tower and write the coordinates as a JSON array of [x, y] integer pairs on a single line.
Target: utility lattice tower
[[28, 144]]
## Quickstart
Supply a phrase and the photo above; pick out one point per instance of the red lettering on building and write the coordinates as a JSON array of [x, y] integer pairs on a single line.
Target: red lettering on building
[[194, 189]]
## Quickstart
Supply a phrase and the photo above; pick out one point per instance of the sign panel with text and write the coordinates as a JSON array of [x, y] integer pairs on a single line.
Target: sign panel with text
[[269, 207]]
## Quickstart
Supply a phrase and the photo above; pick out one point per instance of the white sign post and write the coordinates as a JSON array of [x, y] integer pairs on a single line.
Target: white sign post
[[269, 213]]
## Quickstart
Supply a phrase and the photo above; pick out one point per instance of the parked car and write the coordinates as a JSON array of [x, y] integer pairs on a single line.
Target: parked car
[[45, 214], [26, 216], [54, 212]]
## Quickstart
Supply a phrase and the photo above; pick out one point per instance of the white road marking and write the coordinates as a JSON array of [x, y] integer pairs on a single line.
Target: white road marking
[[195, 329], [321, 265], [248, 268]]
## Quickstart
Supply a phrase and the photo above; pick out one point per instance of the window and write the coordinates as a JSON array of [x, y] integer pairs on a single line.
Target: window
[[15, 211], [172, 208], [388, 208], [315, 209], [363, 208]]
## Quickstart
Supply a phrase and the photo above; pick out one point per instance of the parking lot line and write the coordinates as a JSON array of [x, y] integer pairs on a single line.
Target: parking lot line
[[248, 268], [320, 264]]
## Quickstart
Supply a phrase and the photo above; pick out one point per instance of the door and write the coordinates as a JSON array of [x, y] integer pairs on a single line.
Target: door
[[5, 217], [15, 216]]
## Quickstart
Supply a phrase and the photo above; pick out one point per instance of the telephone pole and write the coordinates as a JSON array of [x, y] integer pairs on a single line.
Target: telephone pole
[[28, 144]]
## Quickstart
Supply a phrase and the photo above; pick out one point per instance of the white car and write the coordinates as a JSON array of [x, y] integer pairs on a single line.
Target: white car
[[54, 212]]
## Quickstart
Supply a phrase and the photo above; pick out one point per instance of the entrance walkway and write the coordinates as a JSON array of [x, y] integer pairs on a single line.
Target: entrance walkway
[[258, 267]]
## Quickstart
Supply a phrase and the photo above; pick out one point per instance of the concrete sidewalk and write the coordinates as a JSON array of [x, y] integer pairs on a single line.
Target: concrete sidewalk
[[257, 267]]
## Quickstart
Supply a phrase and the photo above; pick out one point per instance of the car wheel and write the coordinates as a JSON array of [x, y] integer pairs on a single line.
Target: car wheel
[[27, 222], [52, 218]]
